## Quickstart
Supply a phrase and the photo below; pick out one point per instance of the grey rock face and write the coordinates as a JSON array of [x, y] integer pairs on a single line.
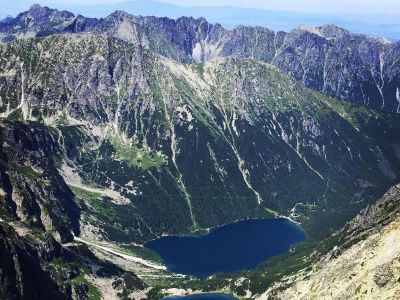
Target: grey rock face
[[41, 21], [22, 276], [38, 194], [357, 68], [360, 69], [383, 275]]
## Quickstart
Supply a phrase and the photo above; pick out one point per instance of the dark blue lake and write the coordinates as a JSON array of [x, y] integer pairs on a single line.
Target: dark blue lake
[[202, 297], [234, 247]]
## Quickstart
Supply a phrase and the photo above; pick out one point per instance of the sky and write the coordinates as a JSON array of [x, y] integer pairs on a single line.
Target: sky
[[316, 6], [372, 17], [309, 6]]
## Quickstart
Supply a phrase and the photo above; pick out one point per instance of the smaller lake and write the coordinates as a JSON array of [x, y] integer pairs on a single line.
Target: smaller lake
[[201, 297], [230, 248]]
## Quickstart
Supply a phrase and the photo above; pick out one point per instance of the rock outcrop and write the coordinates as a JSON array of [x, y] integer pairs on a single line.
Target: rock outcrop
[[21, 273]]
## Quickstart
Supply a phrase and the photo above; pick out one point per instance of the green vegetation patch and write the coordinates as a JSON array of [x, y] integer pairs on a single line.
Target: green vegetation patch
[[94, 293], [104, 211], [119, 222], [28, 172], [143, 158], [60, 267], [141, 252]]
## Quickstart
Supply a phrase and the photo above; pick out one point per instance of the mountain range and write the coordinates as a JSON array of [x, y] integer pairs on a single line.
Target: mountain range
[[369, 22], [119, 130], [328, 58]]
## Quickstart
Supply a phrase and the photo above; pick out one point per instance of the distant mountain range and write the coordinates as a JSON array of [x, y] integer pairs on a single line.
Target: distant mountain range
[[229, 16], [329, 59]]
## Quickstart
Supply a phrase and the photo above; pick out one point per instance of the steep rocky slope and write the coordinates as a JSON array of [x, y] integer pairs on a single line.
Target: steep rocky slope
[[21, 273], [365, 264], [100, 136], [329, 59], [35, 266]]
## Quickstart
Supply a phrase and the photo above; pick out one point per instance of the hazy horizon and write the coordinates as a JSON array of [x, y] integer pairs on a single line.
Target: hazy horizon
[[358, 7], [276, 15]]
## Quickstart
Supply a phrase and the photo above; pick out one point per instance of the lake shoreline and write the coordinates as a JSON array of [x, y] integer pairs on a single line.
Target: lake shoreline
[[208, 229], [197, 295], [234, 247]]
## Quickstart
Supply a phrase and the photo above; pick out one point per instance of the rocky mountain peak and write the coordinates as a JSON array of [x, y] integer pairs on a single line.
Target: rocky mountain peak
[[331, 31], [328, 31], [35, 8], [119, 14], [310, 29], [6, 20], [43, 13]]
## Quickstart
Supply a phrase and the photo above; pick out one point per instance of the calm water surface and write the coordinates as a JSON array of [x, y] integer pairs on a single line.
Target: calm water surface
[[234, 247], [202, 297]]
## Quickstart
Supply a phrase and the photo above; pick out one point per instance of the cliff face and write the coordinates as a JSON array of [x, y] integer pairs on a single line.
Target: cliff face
[[35, 266], [32, 189], [22, 276], [357, 68]]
